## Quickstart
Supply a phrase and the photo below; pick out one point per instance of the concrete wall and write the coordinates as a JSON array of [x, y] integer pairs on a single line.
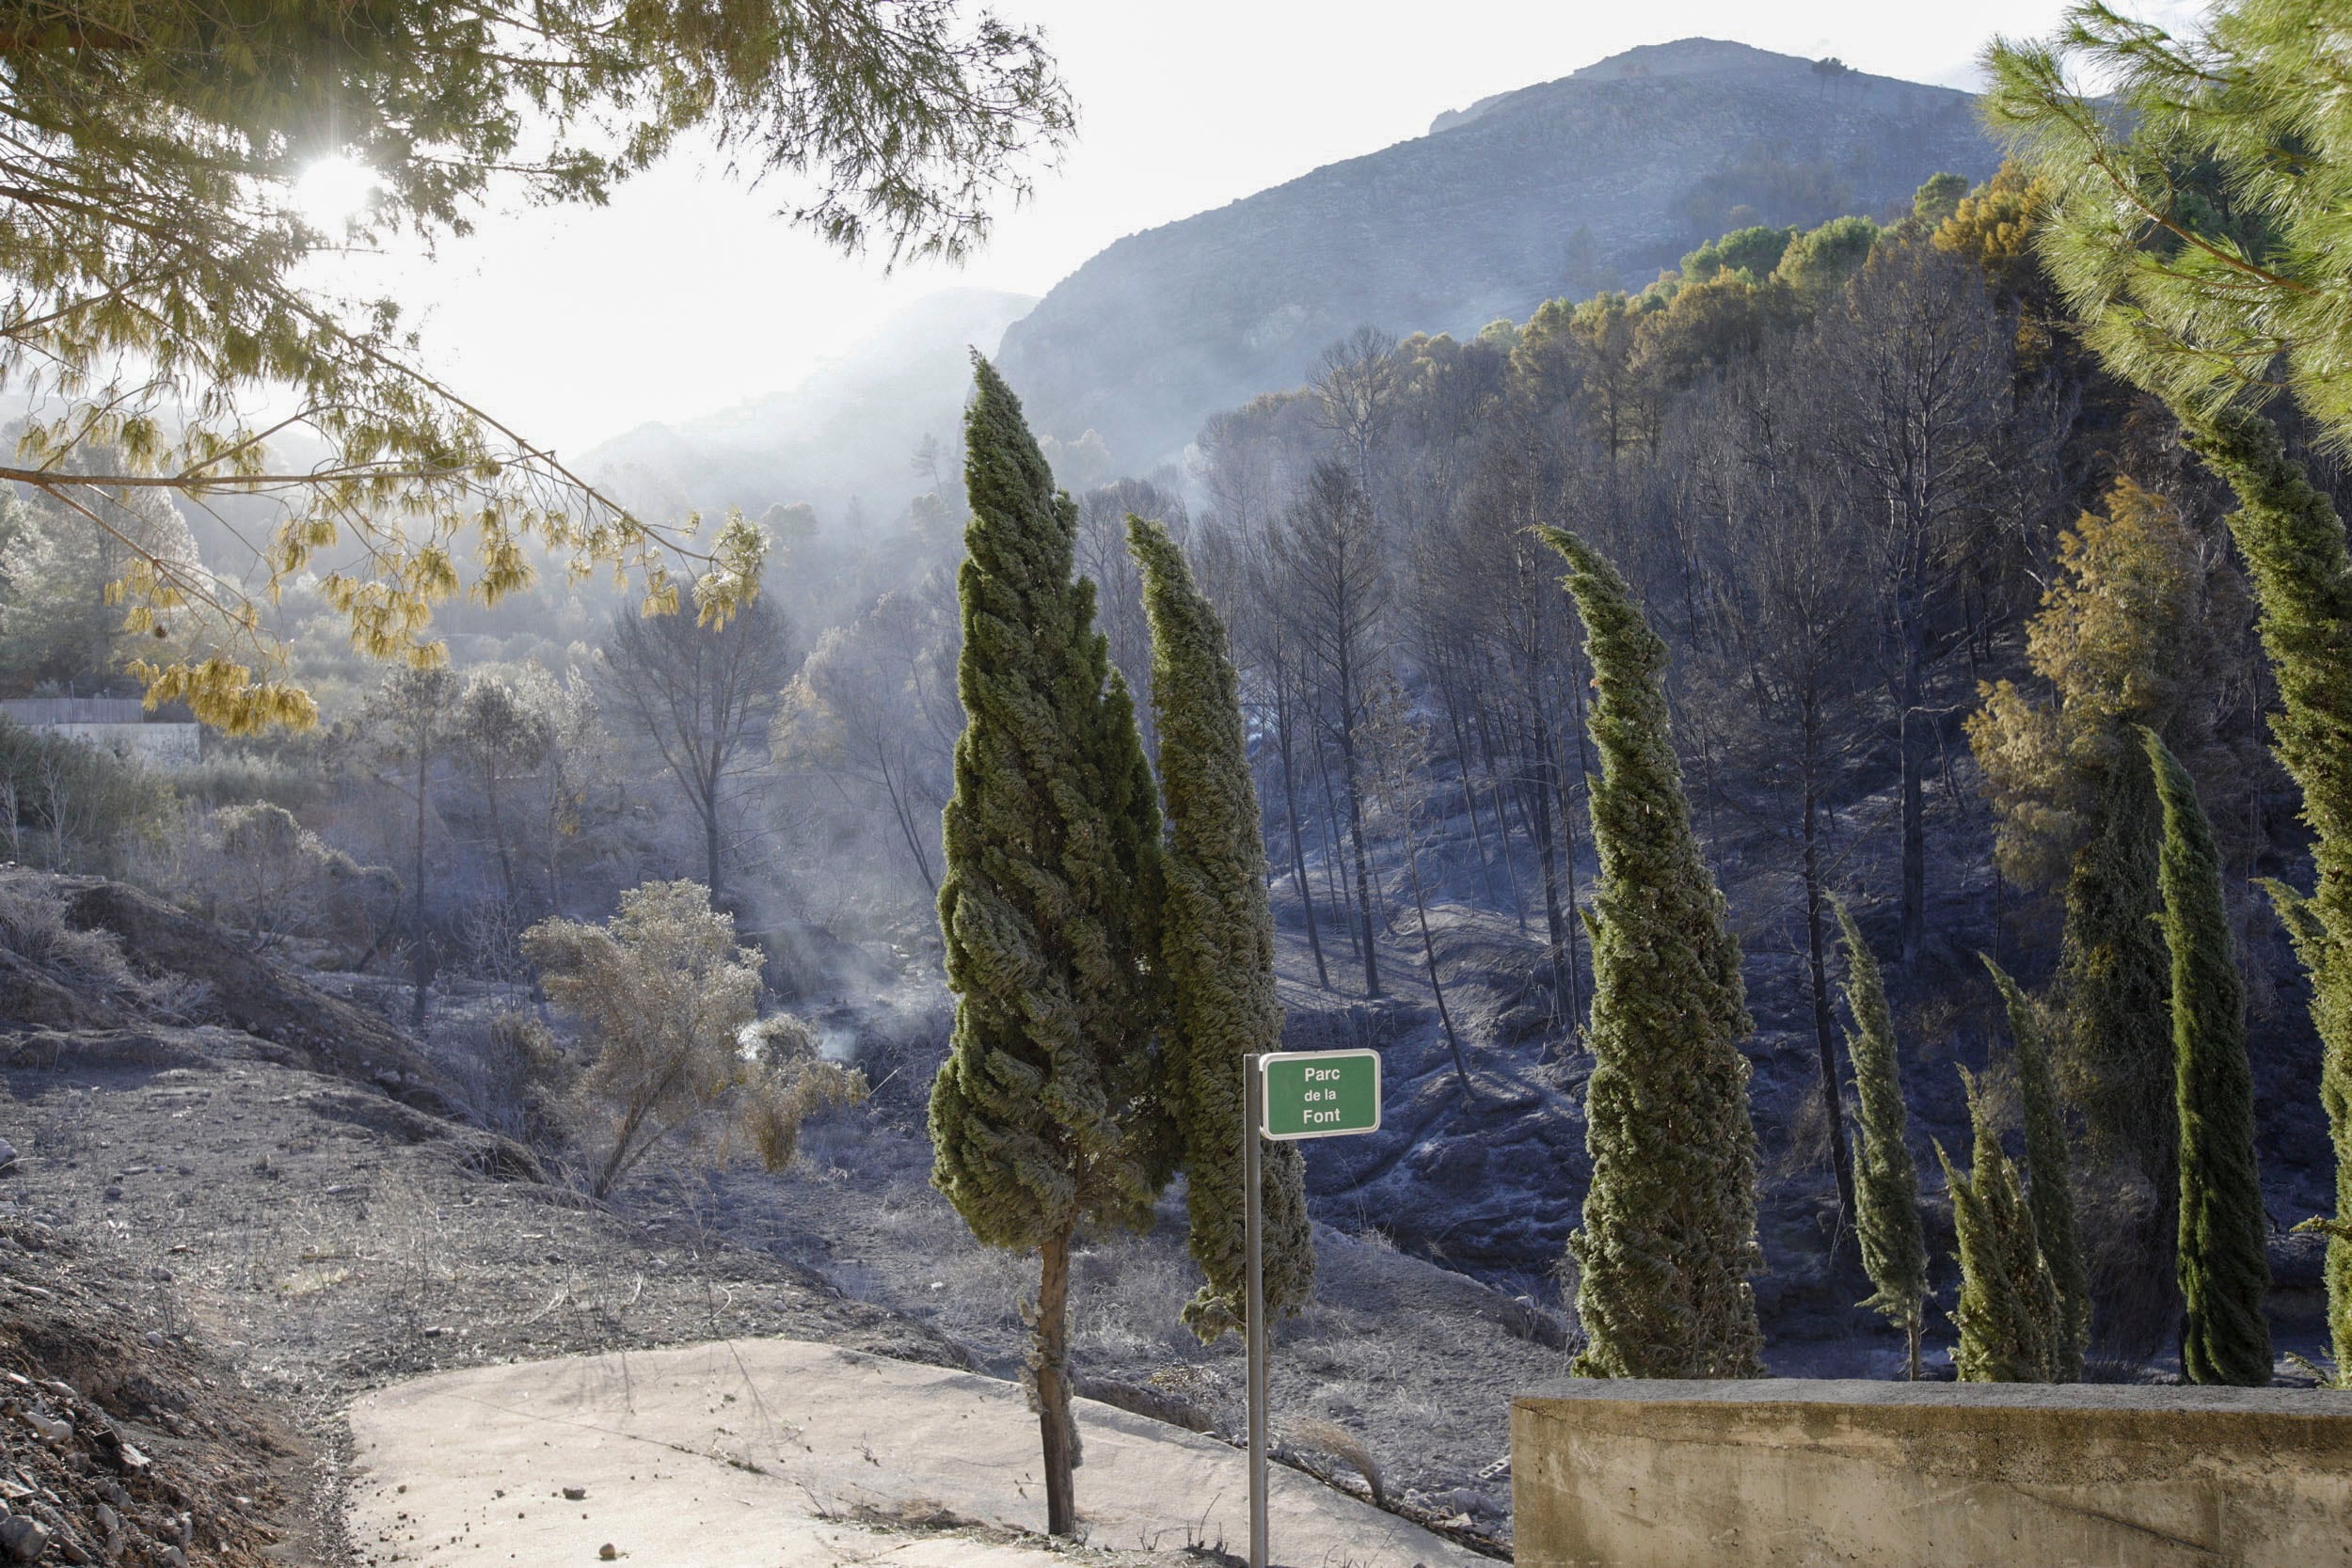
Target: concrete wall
[[1781, 1473]]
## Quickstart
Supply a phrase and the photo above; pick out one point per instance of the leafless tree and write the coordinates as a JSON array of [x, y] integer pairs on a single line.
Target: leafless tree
[[412, 723], [702, 697], [1335, 584], [1911, 376], [1360, 389], [860, 711]]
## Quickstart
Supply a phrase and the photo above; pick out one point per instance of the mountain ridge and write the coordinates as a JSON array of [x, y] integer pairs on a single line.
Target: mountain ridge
[[1560, 188]]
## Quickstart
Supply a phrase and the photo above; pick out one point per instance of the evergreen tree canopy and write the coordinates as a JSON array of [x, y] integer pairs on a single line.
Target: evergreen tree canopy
[[1819, 262], [166, 297], [2225, 1274], [2202, 200], [1218, 944], [1668, 1235], [2049, 1177], [2294, 546], [2117, 639], [1887, 1179], [2008, 1314], [1045, 1115], [2114, 979], [1753, 250]]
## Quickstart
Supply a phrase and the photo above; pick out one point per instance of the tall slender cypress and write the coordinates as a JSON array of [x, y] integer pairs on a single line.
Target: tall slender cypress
[[2114, 991], [2008, 1314], [2049, 1178], [2224, 1272], [1045, 1115], [2294, 546], [1887, 1179], [1668, 1239], [1217, 938]]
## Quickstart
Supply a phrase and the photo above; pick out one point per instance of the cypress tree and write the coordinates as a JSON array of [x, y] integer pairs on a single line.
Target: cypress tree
[[2115, 991], [2224, 1272], [1217, 939], [2008, 1314], [2294, 546], [2115, 980], [1667, 1238], [1886, 1180], [2049, 1177], [1045, 1115]]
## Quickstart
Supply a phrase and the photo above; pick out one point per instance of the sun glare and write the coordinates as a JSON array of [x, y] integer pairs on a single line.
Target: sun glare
[[333, 191]]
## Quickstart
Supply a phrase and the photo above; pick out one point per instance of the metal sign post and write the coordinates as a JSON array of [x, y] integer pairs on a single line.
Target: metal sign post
[[1287, 1096]]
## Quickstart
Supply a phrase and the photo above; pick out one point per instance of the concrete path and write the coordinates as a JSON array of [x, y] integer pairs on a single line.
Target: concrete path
[[781, 1453]]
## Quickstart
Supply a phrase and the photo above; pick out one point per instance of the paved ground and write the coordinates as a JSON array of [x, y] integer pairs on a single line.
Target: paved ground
[[754, 1453]]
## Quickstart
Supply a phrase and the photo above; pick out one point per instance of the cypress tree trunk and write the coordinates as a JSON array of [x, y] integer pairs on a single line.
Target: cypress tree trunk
[[1668, 1235], [1887, 1184], [2008, 1314], [1217, 940], [2050, 1179], [1046, 1114], [2224, 1272], [1049, 1377], [2294, 546]]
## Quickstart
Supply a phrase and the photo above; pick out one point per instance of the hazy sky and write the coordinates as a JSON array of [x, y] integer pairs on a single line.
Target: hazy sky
[[687, 294]]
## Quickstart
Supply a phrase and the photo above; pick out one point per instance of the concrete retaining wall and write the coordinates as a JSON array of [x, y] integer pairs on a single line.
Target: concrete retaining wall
[[1787, 1472]]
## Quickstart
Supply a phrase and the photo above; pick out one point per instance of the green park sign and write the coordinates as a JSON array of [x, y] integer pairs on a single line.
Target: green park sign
[[1321, 1094]]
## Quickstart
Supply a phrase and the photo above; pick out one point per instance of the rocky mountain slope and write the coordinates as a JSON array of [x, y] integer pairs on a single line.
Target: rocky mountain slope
[[1591, 182]]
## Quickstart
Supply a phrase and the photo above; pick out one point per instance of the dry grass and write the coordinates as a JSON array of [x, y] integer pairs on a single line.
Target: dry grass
[[1320, 1437]]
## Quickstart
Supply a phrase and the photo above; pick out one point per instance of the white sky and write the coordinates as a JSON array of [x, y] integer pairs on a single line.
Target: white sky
[[688, 294]]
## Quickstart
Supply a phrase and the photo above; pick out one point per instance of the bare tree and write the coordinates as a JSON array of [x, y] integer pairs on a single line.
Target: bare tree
[[574, 788], [413, 719], [1360, 388], [1398, 748], [500, 736], [1785, 654], [1912, 375], [702, 697], [859, 711], [1337, 587]]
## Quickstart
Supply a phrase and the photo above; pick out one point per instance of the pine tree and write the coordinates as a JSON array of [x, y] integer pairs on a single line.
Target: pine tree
[[2294, 546], [2050, 1178], [2008, 1314], [1218, 940], [1045, 1115], [1668, 1235], [1886, 1180], [2224, 1272]]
